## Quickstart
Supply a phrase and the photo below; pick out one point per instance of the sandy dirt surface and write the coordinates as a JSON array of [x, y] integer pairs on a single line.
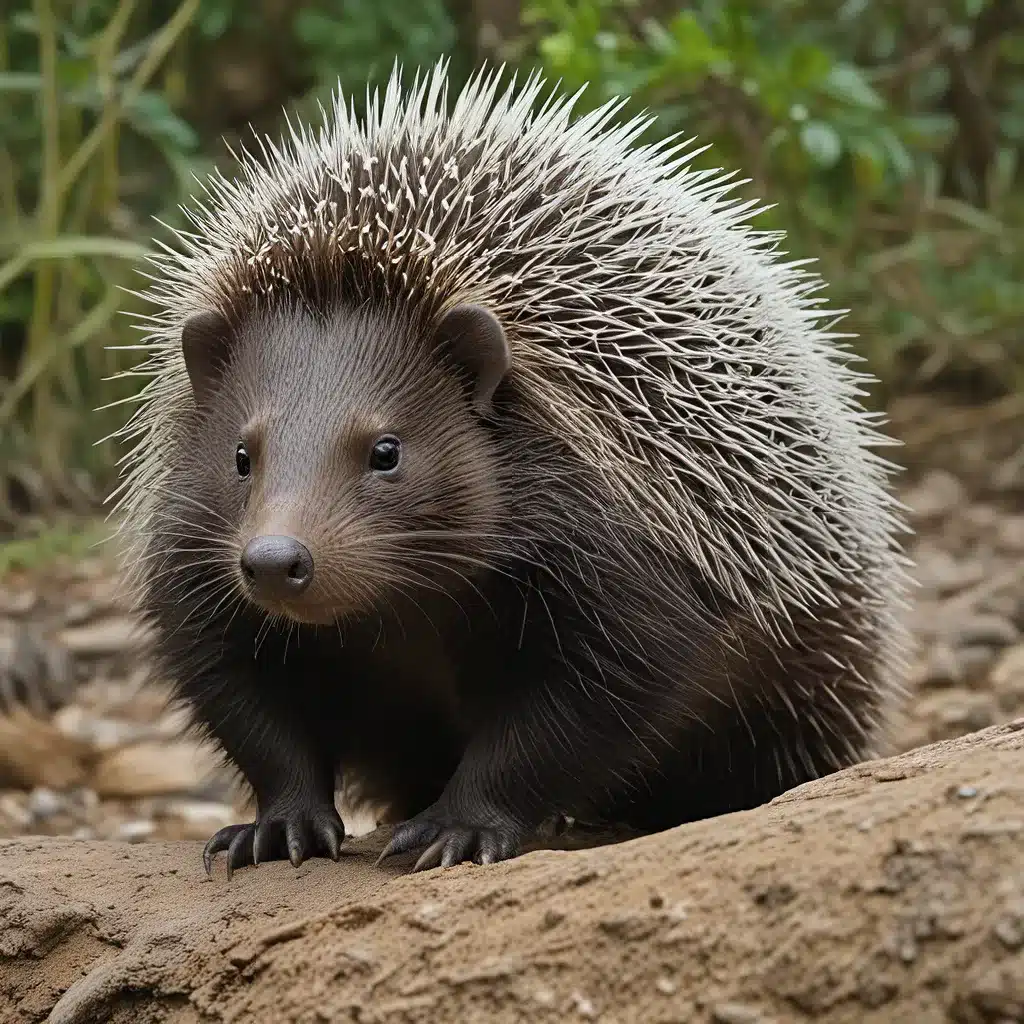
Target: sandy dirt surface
[[891, 892]]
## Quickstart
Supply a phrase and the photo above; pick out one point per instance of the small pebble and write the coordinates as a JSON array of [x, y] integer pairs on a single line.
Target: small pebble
[[1009, 929], [102, 733], [666, 986], [985, 630], [966, 792], [12, 808], [78, 613], [736, 1013], [1009, 670], [135, 831], [201, 813], [584, 1007], [553, 917], [937, 494], [44, 803], [975, 660], [17, 602], [113, 635], [1010, 533]]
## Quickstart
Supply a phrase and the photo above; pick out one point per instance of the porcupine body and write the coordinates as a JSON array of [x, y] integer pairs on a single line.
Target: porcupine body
[[492, 464]]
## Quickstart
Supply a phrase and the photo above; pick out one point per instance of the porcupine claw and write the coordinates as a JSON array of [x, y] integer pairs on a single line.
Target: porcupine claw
[[450, 843], [293, 834]]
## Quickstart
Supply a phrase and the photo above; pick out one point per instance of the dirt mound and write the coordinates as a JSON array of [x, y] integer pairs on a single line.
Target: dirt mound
[[893, 891]]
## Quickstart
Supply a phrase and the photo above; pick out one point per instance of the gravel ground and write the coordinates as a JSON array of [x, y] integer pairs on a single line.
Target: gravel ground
[[88, 747]]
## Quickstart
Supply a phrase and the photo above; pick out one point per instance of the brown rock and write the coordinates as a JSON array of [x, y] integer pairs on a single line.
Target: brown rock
[[1009, 670], [34, 753], [957, 710], [988, 630], [153, 769], [937, 494], [106, 636]]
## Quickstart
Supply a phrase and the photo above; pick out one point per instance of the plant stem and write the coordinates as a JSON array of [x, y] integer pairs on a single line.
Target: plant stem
[[162, 44], [47, 215]]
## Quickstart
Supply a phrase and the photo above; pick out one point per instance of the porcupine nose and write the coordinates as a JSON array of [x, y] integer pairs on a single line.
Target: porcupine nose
[[277, 567]]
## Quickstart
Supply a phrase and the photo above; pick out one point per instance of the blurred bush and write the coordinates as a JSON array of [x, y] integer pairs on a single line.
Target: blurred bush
[[888, 136]]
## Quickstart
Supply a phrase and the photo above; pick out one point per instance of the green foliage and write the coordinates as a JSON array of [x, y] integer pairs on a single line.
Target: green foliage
[[887, 136], [55, 542], [852, 120], [87, 147]]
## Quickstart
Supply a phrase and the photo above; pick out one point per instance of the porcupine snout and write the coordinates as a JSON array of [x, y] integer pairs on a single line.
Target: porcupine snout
[[277, 567]]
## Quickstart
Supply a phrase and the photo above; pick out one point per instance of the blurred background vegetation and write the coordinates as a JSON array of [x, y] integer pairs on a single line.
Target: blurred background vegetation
[[889, 134]]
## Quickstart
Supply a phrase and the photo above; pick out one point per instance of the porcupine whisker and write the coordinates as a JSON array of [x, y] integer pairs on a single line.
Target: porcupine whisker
[[202, 507], [207, 592], [177, 587], [367, 579], [163, 515], [185, 567], [430, 560], [170, 553], [229, 595], [411, 580]]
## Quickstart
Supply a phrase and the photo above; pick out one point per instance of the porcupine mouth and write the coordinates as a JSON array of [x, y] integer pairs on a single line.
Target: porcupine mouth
[[302, 612]]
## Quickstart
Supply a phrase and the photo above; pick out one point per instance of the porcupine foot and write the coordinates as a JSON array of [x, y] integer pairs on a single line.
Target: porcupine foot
[[286, 831], [450, 839]]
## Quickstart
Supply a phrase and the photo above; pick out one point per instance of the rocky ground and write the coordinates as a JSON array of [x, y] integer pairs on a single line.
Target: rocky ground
[[102, 758]]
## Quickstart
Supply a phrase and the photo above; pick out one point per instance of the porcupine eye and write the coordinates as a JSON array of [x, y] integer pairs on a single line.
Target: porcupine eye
[[242, 460], [385, 454]]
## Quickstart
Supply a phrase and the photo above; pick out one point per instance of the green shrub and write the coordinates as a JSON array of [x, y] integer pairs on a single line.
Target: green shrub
[[855, 120]]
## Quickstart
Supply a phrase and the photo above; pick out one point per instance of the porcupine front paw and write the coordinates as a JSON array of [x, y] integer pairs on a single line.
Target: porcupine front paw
[[451, 839], [287, 831]]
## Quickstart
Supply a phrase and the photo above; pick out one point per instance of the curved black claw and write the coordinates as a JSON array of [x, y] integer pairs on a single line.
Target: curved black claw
[[449, 843], [293, 834]]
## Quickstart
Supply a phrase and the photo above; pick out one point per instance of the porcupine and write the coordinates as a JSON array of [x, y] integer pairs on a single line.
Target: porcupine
[[493, 463]]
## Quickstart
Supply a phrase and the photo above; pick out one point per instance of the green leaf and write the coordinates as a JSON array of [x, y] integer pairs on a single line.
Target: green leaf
[[821, 142], [808, 65], [846, 83], [151, 115], [900, 159], [64, 248], [95, 320], [869, 163], [213, 19], [558, 48], [694, 50]]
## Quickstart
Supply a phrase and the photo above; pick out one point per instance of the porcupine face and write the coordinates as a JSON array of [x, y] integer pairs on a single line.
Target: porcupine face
[[347, 455]]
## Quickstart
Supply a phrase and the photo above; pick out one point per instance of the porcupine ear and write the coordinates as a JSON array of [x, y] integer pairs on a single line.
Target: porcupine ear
[[205, 344], [476, 341]]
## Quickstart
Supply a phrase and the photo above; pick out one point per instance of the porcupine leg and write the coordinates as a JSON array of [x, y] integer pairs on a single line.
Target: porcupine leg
[[292, 780], [504, 788], [471, 820]]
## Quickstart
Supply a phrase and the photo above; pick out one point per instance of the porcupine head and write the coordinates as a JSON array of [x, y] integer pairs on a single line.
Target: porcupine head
[[346, 446]]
